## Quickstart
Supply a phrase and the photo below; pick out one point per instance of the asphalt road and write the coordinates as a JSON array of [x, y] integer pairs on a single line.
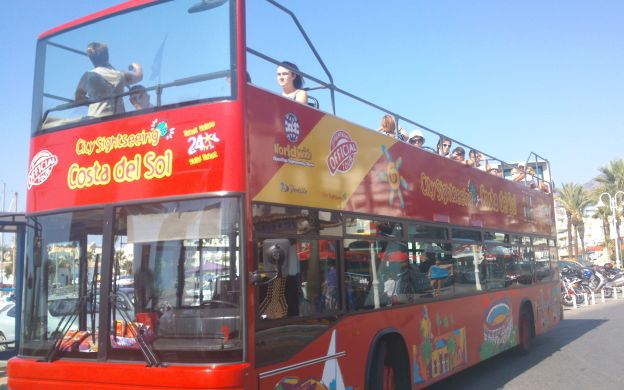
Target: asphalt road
[[585, 351]]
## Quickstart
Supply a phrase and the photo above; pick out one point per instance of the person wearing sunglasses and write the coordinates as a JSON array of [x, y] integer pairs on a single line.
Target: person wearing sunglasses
[[444, 147], [416, 138], [459, 155]]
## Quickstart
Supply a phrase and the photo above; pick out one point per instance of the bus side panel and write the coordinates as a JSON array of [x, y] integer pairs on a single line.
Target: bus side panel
[[441, 338], [300, 156]]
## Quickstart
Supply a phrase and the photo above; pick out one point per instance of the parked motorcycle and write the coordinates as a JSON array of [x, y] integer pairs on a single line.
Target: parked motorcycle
[[571, 290]]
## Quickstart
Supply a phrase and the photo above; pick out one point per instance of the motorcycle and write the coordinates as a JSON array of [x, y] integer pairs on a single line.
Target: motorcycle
[[571, 290]]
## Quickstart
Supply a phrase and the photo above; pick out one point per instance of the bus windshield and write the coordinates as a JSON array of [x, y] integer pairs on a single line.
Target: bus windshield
[[174, 285], [165, 54]]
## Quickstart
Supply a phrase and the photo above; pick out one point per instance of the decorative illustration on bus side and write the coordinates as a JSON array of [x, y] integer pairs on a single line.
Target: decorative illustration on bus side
[[474, 196], [393, 177], [163, 129], [439, 354], [548, 307], [292, 129], [41, 167], [342, 151], [499, 333], [331, 379]]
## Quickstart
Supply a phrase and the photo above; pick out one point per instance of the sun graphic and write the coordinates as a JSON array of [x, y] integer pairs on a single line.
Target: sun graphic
[[393, 177]]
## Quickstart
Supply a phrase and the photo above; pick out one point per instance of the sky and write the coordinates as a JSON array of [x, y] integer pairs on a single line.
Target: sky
[[508, 78]]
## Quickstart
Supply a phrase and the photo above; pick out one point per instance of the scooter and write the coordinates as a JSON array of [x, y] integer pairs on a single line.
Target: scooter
[[598, 281]]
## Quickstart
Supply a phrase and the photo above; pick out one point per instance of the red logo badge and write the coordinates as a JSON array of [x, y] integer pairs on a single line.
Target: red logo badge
[[342, 152], [41, 167]]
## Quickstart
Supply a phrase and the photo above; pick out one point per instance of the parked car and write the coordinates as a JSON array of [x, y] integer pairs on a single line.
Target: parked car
[[7, 325]]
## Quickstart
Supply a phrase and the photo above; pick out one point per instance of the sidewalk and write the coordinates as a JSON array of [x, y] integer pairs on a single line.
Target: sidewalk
[[3, 374]]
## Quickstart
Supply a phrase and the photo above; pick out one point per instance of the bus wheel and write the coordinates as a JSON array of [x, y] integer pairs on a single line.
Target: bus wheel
[[387, 371], [525, 331]]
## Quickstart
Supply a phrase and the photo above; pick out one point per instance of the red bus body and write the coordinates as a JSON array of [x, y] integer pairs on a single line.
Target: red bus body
[[326, 163]]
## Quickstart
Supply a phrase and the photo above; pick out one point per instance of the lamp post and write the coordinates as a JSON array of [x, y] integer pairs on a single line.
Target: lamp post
[[613, 206]]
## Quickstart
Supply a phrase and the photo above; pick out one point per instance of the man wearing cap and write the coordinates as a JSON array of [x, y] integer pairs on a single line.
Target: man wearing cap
[[416, 138]]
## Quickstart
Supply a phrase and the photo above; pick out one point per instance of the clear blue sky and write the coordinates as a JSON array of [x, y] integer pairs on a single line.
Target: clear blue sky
[[506, 77]]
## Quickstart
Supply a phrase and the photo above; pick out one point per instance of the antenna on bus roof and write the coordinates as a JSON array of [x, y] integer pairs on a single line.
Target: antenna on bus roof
[[205, 5]]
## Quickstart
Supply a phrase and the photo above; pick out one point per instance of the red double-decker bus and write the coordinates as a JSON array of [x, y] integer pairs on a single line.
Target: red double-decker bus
[[220, 235]]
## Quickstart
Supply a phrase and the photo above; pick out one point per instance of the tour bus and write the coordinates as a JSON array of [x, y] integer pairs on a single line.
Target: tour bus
[[226, 236]]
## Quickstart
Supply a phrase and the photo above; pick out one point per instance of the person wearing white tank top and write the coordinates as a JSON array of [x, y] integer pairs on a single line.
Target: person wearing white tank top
[[291, 82]]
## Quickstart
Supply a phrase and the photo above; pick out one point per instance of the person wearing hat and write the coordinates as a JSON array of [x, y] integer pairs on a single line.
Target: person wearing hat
[[416, 138]]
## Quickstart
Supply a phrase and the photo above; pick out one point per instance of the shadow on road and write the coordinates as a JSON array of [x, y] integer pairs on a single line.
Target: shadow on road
[[494, 373]]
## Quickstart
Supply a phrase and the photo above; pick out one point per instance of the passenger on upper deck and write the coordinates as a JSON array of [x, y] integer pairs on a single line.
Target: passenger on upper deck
[[459, 155], [291, 82], [476, 160], [495, 171], [444, 146], [518, 173], [104, 84], [416, 138], [140, 98], [388, 127]]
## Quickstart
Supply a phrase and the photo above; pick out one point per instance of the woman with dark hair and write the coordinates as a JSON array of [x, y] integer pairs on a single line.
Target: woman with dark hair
[[291, 82]]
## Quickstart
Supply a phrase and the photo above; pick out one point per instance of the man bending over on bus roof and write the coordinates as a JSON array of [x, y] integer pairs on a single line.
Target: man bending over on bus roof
[[139, 98], [104, 84]]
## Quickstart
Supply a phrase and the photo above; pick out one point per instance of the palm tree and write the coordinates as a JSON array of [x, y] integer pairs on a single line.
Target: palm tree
[[603, 213], [611, 180], [574, 199]]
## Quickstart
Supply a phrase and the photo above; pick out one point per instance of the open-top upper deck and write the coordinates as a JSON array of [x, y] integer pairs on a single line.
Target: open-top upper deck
[[199, 136]]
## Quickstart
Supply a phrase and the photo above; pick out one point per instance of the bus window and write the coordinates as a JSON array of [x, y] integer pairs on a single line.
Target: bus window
[[414, 282], [177, 274], [497, 266], [471, 273], [160, 47], [415, 232], [375, 228], [299, 300], [542, 259], [466, 235], [64, 287], [376, 274], [294, 220], [522, 268]]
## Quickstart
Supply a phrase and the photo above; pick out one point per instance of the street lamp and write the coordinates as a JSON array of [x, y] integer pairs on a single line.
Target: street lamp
[[613, 206]]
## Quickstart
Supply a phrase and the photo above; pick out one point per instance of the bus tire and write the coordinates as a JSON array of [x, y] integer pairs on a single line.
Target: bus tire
[[526, 330], [389, 368]]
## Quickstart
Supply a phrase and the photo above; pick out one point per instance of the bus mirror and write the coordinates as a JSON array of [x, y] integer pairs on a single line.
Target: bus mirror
[[205, 5]]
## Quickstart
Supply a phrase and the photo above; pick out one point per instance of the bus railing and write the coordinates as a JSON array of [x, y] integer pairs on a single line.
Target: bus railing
[[494, 165]]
